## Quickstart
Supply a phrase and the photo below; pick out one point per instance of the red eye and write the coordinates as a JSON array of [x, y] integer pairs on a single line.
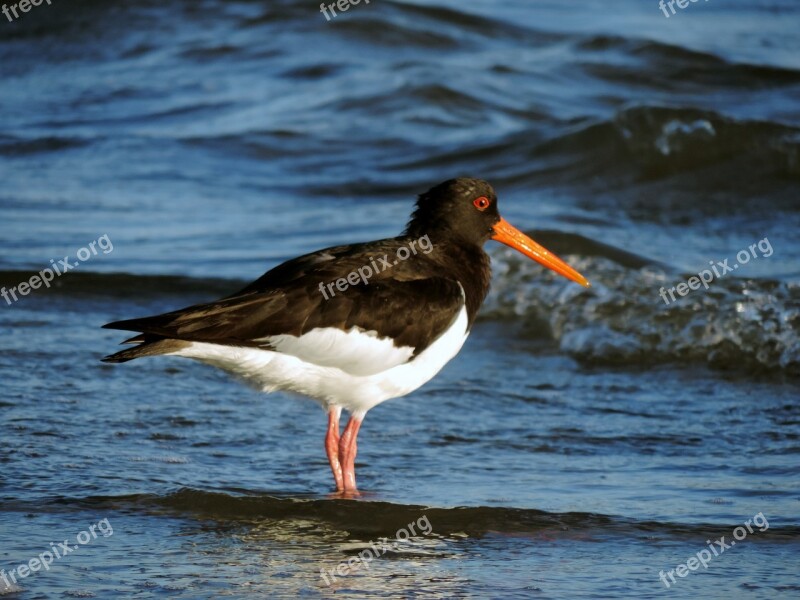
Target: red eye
[[481, 203]]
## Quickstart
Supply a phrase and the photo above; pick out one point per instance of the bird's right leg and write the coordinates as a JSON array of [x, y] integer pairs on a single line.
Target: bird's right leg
[[332, 446], [347, 453]]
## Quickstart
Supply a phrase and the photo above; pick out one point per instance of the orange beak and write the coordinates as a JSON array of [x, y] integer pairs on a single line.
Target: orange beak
[[509, 235]]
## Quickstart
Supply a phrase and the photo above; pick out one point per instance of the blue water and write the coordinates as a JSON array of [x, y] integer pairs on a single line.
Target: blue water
[[582, 443]]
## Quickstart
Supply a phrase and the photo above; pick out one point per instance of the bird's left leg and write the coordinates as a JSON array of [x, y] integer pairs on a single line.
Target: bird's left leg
[[332, 445]]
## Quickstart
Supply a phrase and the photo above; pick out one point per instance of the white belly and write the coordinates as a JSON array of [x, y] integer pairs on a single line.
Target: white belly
[[346, 381]]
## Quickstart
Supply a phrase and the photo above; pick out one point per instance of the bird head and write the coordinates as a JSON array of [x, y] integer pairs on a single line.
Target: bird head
[[465, 210]]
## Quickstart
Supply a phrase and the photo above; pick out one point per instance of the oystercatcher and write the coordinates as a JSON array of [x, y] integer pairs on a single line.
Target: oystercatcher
[[352, 326]]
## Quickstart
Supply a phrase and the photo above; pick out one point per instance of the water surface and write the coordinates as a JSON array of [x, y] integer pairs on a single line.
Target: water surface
[[582, 442]]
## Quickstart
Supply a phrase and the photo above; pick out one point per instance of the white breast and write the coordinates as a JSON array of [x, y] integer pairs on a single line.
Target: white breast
[[356, 370]]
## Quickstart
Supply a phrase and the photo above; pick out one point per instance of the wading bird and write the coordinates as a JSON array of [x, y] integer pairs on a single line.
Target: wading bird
[[324, 326]]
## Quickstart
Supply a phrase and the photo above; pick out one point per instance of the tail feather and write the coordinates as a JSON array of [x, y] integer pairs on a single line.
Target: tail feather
[[146, 348]]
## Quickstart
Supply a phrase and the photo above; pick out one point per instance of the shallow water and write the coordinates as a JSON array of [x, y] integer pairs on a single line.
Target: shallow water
[[581, 443]]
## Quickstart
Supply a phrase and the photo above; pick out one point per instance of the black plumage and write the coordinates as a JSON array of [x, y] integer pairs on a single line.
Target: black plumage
[[412, 301]]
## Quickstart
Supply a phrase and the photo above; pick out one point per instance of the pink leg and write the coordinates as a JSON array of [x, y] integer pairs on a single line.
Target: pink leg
[[347, 452], [332, 446]]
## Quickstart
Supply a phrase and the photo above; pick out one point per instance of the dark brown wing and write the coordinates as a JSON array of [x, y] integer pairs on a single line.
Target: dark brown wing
[[411, 302]]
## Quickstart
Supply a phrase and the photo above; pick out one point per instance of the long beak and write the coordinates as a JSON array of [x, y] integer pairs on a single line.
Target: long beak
[[509, 235]]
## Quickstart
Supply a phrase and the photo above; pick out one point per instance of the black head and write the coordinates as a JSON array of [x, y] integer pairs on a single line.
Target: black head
[[463, 209]]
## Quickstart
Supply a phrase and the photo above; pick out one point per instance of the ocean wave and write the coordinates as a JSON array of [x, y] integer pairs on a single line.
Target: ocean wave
[[371, 518], [669, 67], [125, 285], [636, 144], [18, 146], [663, 141], [738, 324]]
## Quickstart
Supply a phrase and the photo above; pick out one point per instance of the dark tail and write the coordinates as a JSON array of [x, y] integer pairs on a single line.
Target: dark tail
[[147, 347]]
